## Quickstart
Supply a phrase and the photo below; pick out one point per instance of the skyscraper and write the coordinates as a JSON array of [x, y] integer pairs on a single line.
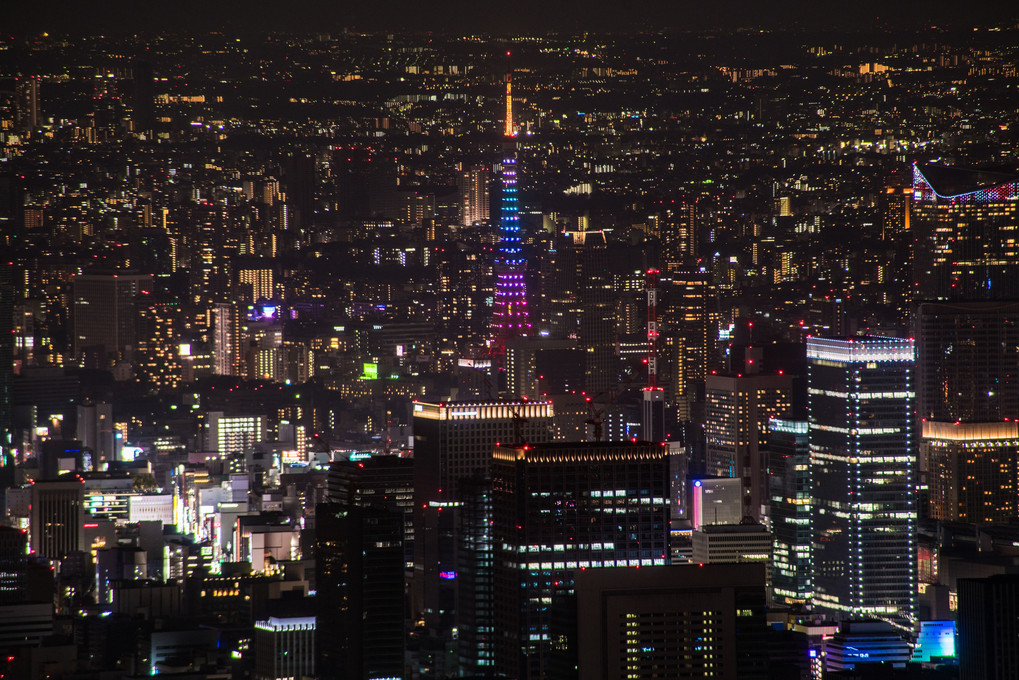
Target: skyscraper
[[964, 222], [452, 442], [686, 316], [583, 303], [862, 464], [26, 111], [559, 508], [737, 411], [509, 313], [473, 194], [360, 599], [966, 264], [105, 313], [789, 499]]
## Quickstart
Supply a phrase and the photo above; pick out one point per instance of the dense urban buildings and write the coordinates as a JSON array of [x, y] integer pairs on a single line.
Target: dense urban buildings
[[410, 354]]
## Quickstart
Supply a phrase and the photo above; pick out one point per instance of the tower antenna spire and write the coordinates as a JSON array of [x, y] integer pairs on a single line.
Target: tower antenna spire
[[509, 100]]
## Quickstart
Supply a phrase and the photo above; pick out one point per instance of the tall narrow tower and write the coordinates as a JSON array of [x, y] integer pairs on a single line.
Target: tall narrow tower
[[653, 406], [509, 316]]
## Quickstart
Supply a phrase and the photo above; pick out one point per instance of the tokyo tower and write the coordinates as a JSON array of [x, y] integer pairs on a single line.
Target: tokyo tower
[[509, 317]]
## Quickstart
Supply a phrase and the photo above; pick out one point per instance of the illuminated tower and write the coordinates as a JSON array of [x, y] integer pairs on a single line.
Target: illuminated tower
[[509, 317], [860, 434]]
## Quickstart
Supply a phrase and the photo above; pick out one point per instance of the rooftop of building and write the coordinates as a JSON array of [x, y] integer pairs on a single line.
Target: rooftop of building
[[955, 181]]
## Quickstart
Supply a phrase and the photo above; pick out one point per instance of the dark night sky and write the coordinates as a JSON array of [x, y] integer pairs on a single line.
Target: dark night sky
[[237, 17]]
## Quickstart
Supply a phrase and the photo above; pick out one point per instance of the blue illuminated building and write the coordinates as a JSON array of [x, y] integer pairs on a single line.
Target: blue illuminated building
[[936, 642]]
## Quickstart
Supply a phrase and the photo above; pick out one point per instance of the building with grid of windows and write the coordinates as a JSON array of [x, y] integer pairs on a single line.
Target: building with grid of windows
[[966, 278], [789, 497], [284, 648], [972, 471], [454, 441], [737, 411], [679, 621], [559, 508], [862, 465]]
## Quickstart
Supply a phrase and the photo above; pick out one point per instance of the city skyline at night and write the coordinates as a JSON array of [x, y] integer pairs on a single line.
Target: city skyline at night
[[428, 342]]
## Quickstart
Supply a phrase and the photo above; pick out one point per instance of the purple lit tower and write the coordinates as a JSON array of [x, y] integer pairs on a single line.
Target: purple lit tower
[[509, 318]]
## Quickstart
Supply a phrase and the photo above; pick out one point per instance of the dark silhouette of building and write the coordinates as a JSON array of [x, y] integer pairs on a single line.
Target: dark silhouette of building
[[143, 106], [13, 565], [454, 441], [680, 621], [380, 482], [988, 627], [58, 516], [6, 364], [360, 597]]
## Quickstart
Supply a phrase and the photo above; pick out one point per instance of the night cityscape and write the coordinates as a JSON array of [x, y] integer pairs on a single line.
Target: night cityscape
[[402, 346]]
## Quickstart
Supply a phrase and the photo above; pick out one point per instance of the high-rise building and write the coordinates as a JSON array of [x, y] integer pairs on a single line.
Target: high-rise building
[[104, 315], [582, 305], [972, 471], [26, 109], [475, 578], [473, 194], [789, 499], [737, 411], [158, 357], [679, 621], [686, 318], [284, 648], [559, 508], [964, 222], [454, 441], [968, 360], [226, 321], [863, 470], [967, 326], [360, 592], [377, 481], [143, 103], [988, 627], [57, 518]]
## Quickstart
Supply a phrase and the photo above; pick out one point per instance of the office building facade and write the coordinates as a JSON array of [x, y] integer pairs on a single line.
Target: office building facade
[[862, 463], [789, 498], [679, 621], [560, 508], [737, 411]]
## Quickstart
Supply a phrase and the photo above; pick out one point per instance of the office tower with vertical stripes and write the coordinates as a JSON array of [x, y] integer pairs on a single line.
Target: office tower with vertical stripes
[[860, 431]]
